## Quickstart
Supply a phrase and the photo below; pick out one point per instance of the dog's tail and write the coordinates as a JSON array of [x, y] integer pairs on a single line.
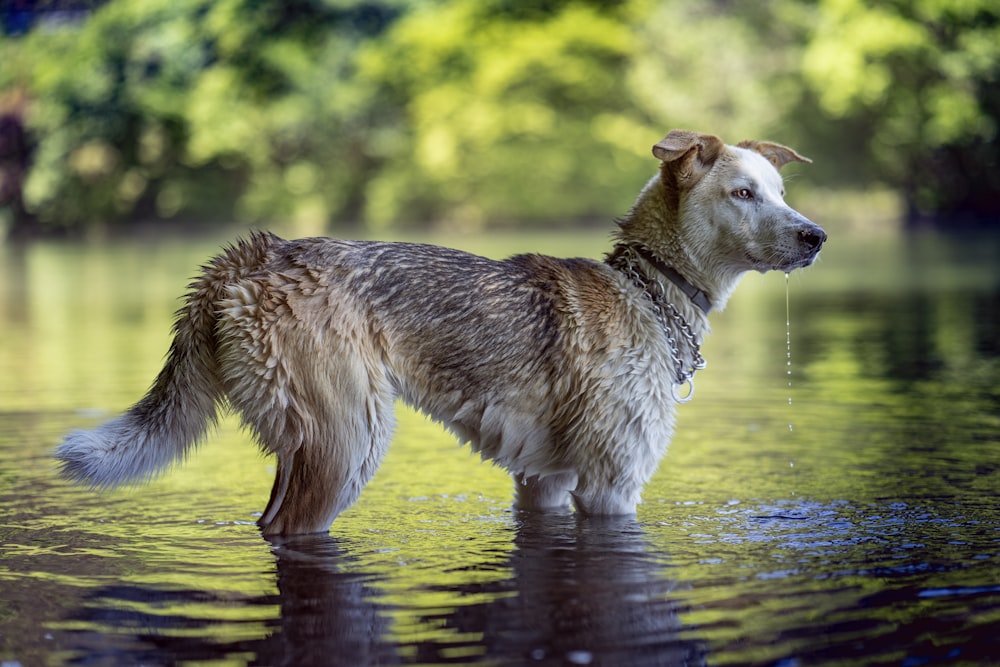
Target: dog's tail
[[182, 403]]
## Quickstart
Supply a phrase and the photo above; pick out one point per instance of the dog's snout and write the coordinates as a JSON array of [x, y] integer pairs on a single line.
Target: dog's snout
[[812, 237]]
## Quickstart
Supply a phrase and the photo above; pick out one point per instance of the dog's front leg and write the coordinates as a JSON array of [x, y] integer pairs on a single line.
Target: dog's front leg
[[606, 499], [544, 494]]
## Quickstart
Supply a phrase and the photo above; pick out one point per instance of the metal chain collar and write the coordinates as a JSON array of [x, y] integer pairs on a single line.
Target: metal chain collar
[[625, 260]]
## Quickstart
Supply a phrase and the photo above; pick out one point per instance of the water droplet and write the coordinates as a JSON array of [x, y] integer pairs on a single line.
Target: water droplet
[[788, 346]]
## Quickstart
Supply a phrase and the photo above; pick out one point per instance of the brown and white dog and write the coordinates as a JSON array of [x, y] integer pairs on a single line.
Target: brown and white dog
[[563, 371]]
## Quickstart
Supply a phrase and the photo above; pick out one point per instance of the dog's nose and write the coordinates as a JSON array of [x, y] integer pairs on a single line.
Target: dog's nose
[[812, 237]]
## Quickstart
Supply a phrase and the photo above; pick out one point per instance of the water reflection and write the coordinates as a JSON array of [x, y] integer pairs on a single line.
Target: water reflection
[[329, 609], [910, 337], [326, 612], [581, 591], [135, 624]]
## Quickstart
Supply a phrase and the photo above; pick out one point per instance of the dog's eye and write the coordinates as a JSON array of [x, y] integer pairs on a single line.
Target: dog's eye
[[743, 193]]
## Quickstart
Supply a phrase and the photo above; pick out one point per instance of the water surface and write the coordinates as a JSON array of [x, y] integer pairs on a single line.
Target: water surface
[[867, 534]]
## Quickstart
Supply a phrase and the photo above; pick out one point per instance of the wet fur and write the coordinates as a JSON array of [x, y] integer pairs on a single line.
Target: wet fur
[[556, 369]]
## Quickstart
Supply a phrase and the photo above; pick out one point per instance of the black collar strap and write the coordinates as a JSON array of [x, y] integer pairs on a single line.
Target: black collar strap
[[697, 296]]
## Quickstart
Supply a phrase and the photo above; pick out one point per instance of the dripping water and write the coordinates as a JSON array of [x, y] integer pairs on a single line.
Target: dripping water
[[788, 350]]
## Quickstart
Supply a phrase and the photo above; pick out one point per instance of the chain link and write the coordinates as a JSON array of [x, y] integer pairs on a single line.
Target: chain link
[[665, 311]]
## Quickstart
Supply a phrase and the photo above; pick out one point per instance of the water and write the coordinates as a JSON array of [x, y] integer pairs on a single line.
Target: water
[[880, 545]]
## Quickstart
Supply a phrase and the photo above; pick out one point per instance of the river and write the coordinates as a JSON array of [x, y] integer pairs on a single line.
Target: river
[[839, 510]]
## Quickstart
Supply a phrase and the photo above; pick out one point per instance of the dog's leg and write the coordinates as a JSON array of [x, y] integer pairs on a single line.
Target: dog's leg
[[606, 499], [313, 495], [323, 478], [315, 395], [282, 477], [541, 494]]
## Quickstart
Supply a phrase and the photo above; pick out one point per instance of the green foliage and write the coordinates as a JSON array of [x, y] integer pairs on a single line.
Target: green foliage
[[923, 76], [500, 112], [724, 72], [107, 110], [196, 109], [399, 112]]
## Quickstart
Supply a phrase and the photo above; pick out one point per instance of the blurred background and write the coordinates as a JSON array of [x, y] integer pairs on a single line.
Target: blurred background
[[840, 466], [316, 116]]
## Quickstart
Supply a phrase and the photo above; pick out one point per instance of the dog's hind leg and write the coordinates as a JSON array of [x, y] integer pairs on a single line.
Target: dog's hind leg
[[315, 394], [324, 476], [282, 477]]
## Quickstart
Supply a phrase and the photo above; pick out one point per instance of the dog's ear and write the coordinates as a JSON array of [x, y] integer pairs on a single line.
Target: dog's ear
[[776, 154], [688, 154], [679, 143]]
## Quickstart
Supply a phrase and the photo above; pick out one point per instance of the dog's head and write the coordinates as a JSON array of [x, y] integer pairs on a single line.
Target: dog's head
[[730, 200]]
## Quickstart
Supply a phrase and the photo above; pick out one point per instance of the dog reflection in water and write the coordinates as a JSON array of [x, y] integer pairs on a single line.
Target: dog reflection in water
[[577, 592], [568, 591]]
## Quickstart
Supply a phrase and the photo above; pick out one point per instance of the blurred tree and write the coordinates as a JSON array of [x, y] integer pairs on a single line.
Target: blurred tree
[[726, 67], [196, 109], [15, 155], [395, 112], [918, 83], [283, 102], [106, 112], [501, 105]]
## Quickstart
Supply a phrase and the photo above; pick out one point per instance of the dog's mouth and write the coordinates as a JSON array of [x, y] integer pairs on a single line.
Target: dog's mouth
[[786, 265], [801, 264], [797, 252]]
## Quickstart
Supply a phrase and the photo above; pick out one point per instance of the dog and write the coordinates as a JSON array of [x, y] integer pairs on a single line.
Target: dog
[[566, 372]]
